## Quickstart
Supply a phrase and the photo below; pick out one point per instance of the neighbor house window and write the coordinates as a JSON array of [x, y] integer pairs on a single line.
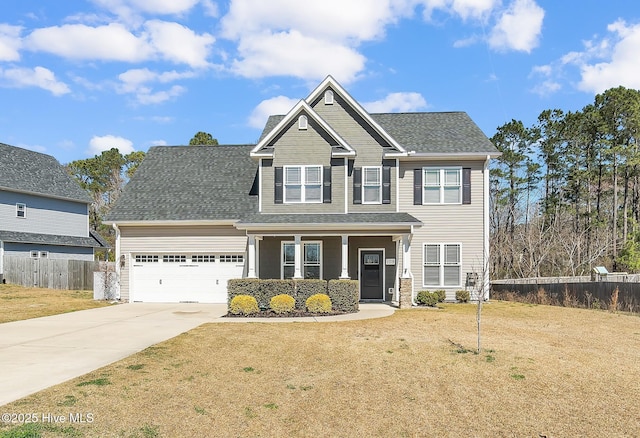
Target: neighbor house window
[[371, 185], [34, 254], [441, 264], [442, 186], [21, 210], [44, 254], [311, 259], [303, 184]]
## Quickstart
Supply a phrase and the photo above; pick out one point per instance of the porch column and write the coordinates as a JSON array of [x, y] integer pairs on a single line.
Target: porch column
[[345, 258], [406, 256], [251, 255], [297, 273]]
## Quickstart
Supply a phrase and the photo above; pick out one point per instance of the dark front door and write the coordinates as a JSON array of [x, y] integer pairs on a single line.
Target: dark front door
[[371, 265]]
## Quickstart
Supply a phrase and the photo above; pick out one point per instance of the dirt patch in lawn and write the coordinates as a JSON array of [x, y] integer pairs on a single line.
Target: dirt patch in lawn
[[546, 371], [18, 303]]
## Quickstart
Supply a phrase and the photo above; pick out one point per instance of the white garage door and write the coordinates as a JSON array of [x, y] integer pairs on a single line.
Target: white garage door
[[173, 278]]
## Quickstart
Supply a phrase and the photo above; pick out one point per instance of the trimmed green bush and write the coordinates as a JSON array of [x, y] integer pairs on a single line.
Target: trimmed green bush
[[441, 294], [344, 294], [319, 303], [307, 287], [242, 286], [282, 303], [243, 305], [463, 296], [427, 298], [270, 288]]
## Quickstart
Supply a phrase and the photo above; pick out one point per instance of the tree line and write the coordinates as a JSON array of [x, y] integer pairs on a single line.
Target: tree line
[[565, 194]]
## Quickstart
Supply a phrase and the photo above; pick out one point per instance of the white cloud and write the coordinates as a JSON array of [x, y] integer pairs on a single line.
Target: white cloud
[[158, 143], [294, 54], [519, 27], [99, 144], [130, 11], [475, 9], [178, 43], [307, 39], [620, 63], [274, 106], [39, 77], [397, 102], [112, 42], [10, 42], [135, 81]]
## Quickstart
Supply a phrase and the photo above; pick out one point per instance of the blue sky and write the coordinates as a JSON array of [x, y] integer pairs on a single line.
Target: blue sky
[[78, 77]]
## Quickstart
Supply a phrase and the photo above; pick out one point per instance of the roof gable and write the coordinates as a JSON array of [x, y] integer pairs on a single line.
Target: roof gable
[[265, 145], [33, 172], [330, 83]]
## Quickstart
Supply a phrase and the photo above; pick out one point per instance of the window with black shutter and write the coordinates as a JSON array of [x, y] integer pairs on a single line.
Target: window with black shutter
[[357, 185], [326, 188], [278, 192]]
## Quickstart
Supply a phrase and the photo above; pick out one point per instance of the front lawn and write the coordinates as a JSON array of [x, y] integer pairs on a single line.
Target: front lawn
[[546, 371], [18, 303]]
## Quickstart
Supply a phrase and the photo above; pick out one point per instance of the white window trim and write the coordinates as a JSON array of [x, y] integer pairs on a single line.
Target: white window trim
[[303, 122], [303, 184], [302, 244], [364, 172], [442, 185], [441, 264], [44, 254], [21, 207], [328, 97]]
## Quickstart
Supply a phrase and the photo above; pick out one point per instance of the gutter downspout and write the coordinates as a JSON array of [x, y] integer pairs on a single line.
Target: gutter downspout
[[1, 261], [117, 258]]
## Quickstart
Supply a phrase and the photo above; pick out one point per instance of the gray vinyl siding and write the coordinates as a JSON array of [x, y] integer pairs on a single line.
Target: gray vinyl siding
[[44, 215], [54, 251], [463, 224], [297, 148], [369, 147], [176, 240]]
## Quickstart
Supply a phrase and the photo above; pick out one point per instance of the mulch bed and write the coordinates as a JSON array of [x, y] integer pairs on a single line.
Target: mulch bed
[[296, 313]]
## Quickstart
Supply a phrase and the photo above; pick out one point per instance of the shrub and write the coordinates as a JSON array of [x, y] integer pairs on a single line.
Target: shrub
[[307, 287], [319, 303], [344, 295], [441, 295], [243, 305], [242, 286], [463, 296], [282, 303], [270, 288], [427, 298]]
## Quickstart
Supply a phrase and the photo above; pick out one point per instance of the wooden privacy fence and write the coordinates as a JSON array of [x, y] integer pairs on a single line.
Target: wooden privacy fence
[[591, 294], [50, 273]]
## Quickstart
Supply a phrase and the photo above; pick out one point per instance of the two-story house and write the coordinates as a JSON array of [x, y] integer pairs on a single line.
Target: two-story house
[[44, 213], [397, 201]]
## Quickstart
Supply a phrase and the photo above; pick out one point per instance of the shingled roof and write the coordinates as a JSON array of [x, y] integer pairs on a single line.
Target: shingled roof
[[190, 183], [22, 170], [93, 241], [444, 132]]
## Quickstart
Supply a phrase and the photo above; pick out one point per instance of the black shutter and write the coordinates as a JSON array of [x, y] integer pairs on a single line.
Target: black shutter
[[417, 186], [386, 184], [466, 185], [277, 176], [357, 185], [326, 189]]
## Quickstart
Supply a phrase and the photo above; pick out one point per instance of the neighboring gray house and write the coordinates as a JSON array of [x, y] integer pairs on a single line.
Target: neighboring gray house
[[397, 201], [43, 211]]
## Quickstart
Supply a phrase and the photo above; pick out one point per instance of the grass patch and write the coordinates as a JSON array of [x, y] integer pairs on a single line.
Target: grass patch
[[576, 362], [18, 303], [102, 381], [38, 430]]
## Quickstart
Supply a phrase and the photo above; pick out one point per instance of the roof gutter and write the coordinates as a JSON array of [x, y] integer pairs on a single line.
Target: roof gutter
[[359, 226], [46, 195], [170, 223], [411, 156]]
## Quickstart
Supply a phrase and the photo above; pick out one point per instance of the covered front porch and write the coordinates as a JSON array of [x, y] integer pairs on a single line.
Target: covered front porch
[[371, 248]]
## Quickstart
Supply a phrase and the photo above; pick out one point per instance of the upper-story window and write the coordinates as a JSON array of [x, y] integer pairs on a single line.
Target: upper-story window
[[328, 97], [21, 210], [303, 184], [442, 185], [303, 122], [372, 185]]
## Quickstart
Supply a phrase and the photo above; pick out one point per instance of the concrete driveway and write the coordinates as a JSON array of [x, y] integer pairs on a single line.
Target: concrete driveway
[[38, 353], [41, 352]]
